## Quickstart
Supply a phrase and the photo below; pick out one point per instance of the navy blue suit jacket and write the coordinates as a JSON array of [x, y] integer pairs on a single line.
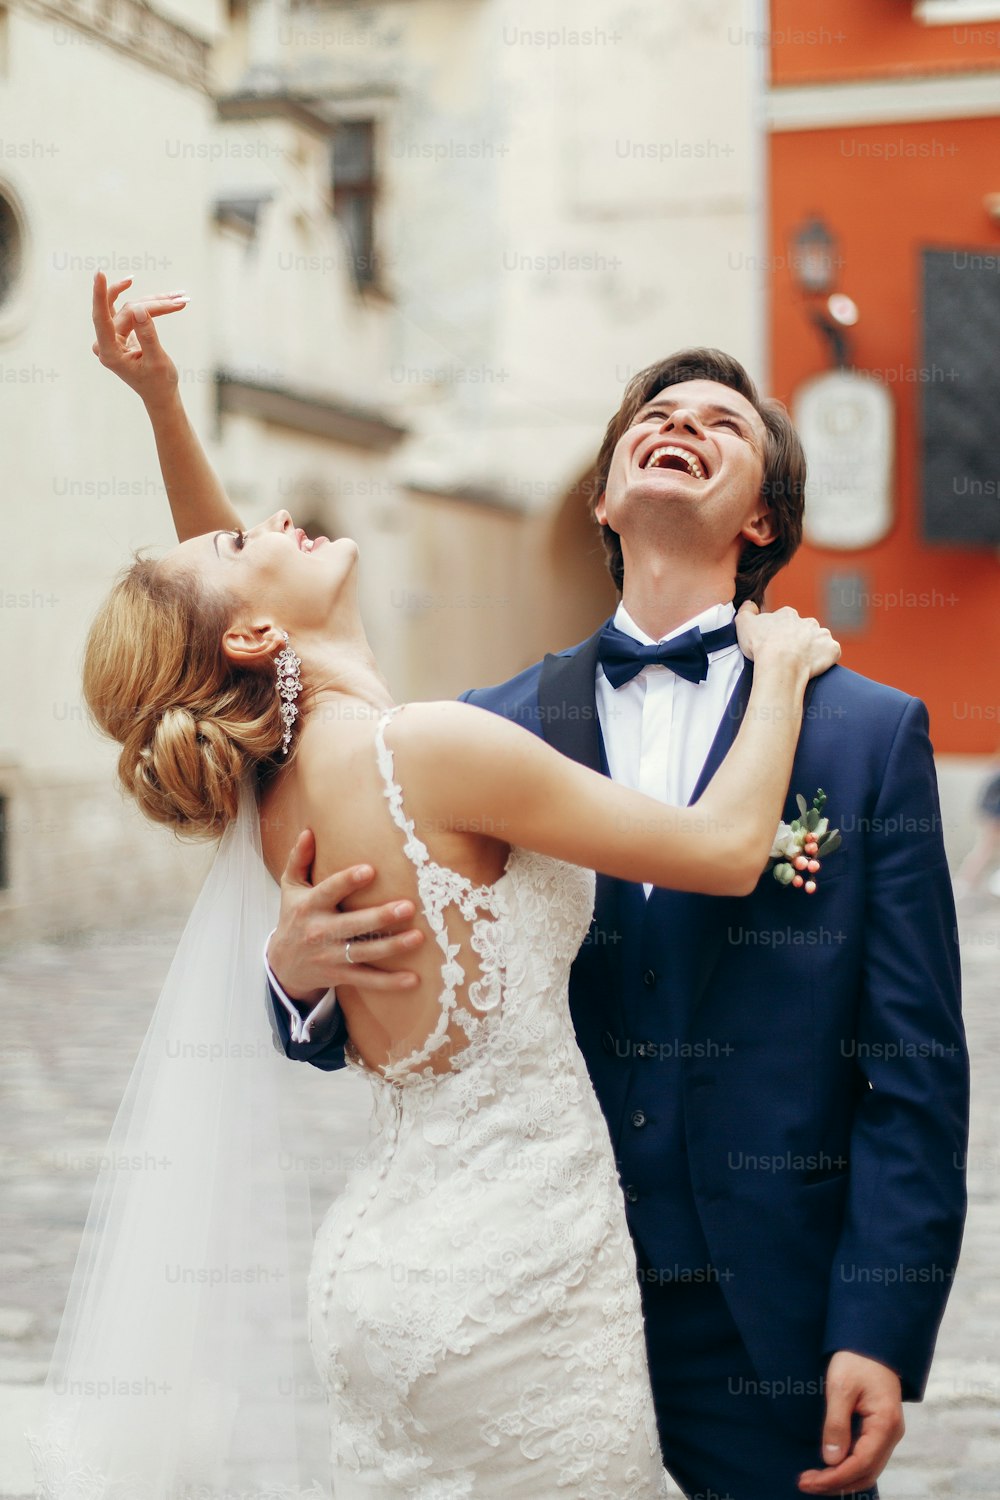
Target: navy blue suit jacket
[[789, 1071]]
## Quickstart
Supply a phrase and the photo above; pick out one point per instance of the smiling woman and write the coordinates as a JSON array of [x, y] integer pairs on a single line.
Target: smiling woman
[[200, 712]]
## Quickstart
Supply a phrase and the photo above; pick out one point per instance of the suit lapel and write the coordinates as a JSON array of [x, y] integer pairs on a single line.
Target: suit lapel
[[726, 732], [567, 701], [692, 920]]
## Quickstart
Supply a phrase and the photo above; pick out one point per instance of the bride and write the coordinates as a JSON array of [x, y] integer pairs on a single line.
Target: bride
[[473, 1307]]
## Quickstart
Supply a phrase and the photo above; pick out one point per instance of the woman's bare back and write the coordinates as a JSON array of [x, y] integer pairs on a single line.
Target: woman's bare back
[[334, 786]]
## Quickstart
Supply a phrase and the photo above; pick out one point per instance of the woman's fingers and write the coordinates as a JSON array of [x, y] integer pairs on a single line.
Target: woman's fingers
[[156, 307], [111, 326], [126, 339], [144, 335], [104, 325]]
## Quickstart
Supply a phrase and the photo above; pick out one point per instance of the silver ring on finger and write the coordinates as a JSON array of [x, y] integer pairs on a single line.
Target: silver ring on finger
[[347, 954]]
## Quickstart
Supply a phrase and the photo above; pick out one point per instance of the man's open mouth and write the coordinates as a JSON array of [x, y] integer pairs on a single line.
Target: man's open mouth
[[666, 456]]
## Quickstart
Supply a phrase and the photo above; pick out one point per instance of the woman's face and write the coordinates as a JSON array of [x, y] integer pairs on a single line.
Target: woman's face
[[273, 573]]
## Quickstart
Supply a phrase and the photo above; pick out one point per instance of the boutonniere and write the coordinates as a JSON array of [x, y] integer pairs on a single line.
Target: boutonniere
[[799, 846]]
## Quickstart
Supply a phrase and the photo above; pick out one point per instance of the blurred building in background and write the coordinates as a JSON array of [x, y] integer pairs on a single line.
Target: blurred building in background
[[427, 243], [884, 185]]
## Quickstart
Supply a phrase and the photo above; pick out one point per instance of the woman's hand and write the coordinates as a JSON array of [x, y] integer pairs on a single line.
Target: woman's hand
[[127, 341], [786, 633], [127, 344]]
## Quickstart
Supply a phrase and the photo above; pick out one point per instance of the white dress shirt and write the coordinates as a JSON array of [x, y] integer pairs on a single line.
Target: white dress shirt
[[300, 1028], [658, 728]]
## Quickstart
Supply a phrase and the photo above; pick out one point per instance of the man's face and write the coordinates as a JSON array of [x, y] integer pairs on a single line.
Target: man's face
[[688, 473]]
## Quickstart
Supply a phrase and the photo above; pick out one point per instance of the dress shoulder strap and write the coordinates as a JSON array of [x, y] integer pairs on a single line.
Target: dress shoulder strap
[[414, 849], [440, 888]]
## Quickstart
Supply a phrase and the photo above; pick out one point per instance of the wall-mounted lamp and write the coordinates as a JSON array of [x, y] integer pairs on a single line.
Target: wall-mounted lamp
[[814, 255], [815, 263]]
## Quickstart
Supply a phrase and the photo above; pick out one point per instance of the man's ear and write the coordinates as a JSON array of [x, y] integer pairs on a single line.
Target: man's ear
[[760, 528], [251, 646]]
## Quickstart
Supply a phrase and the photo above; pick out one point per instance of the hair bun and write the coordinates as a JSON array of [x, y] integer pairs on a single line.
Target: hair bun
[[191, 726], [188, 771]]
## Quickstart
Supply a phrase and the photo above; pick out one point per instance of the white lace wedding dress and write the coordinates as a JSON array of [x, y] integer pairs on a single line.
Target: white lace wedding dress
[[473, 1303]]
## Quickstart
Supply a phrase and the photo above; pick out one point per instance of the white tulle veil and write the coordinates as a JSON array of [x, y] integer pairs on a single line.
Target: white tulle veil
[[182, 1369]]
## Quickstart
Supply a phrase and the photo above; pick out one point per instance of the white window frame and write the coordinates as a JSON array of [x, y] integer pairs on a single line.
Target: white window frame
[[955, 12]]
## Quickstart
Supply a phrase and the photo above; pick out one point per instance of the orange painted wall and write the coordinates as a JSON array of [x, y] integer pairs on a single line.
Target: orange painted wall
[[814, 41], [883, 210]]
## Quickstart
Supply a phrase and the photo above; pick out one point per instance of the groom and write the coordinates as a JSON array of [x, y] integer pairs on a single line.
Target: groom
[[784, 1076]]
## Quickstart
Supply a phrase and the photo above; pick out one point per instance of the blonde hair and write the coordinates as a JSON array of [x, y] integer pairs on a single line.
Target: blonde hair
[[191, 725]]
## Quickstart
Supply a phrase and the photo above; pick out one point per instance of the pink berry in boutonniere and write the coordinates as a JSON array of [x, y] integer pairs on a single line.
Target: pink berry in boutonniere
[[801, 846]]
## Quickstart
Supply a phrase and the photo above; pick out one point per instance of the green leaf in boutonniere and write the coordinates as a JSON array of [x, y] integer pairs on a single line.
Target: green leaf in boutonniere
[[801, 845]]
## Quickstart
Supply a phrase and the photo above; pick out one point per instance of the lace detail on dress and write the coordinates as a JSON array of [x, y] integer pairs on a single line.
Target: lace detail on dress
[[440, 888], [474, 1306]]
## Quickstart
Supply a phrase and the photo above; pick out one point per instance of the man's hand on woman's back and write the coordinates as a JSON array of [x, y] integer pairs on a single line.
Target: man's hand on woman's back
[[308, 951]]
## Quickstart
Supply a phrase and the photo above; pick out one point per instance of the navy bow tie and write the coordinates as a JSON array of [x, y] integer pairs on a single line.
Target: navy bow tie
[[624, 658]]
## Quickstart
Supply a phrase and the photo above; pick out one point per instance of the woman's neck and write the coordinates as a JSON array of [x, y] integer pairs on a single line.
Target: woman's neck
[[342, 681]]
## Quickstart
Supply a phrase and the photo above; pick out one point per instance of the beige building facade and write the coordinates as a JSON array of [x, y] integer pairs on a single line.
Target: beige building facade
[[427, 242]]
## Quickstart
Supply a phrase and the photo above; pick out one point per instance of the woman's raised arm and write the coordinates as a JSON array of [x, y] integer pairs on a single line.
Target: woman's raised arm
[[475, 769], [127, 344]]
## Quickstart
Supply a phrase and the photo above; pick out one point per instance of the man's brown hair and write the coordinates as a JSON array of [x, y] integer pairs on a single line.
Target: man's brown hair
[[783, 487]]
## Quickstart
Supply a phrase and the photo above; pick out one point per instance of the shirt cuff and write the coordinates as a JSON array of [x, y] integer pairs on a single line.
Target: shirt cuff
[[300, 1027]]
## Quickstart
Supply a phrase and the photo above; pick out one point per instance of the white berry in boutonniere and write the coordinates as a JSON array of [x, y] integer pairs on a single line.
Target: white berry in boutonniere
[[800, 845]]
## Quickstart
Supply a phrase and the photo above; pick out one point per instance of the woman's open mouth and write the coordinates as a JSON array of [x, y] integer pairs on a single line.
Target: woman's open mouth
[[309, 544]]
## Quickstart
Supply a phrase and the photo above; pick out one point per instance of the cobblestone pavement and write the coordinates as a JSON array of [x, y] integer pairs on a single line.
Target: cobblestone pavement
[[72, 1018]]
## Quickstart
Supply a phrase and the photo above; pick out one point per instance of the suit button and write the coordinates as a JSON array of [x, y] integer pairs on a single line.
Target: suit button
[[632, 1194], [638, 1119], [649, 978], [608, 1042]]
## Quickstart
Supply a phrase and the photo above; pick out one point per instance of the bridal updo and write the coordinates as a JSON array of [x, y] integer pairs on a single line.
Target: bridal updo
[[191, 725]]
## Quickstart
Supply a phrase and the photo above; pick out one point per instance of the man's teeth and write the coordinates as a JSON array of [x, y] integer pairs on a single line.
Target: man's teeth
[[658, 456]]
